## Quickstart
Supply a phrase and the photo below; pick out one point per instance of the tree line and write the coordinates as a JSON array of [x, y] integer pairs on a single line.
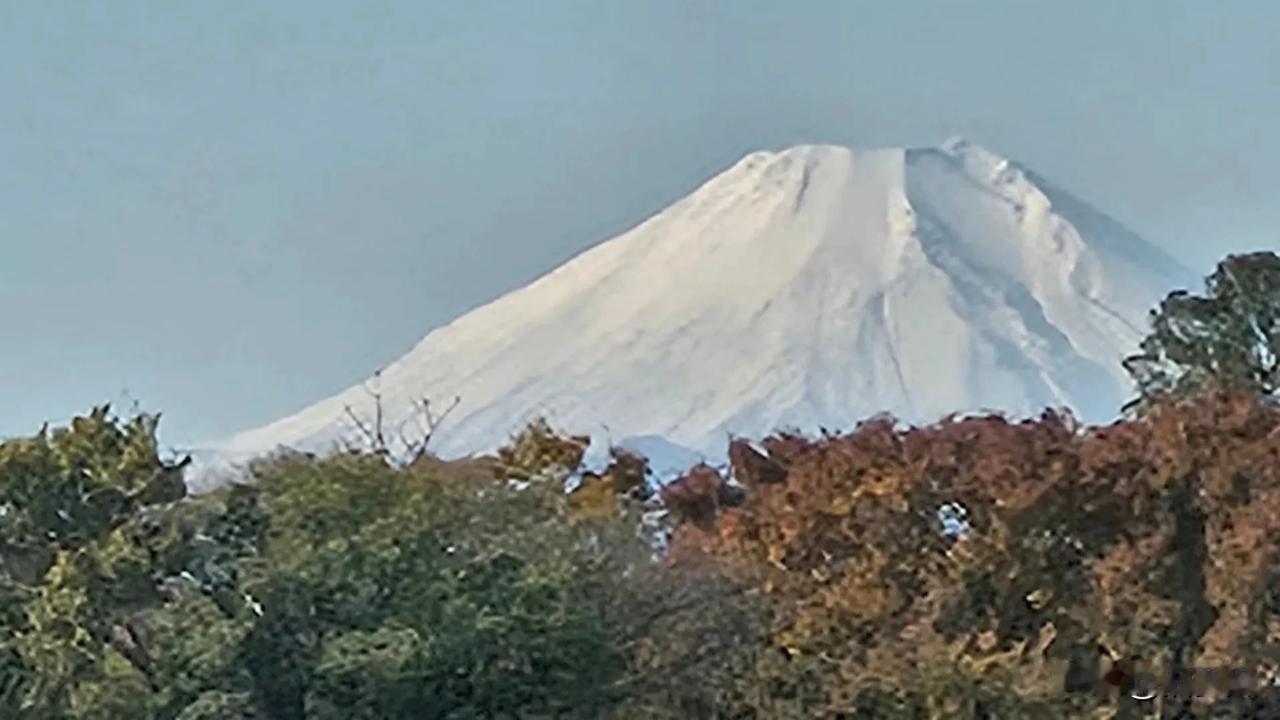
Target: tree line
[[973, 568]]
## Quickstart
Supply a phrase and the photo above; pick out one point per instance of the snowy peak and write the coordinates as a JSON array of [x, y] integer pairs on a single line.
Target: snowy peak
[[808, 287]]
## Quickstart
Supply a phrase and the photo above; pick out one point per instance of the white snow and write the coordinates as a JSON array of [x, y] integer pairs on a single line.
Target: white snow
[[806, 288]]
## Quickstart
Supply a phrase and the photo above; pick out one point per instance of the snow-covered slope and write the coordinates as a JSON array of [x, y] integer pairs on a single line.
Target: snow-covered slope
[[805, 288]]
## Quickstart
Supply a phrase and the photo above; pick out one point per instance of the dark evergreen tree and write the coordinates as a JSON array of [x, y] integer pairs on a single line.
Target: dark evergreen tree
[[1227, 338]]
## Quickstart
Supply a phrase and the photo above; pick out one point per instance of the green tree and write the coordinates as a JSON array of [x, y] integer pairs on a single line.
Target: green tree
[[72, 571], [475, 589], [346, 586], [1227, 338], [398, 592]]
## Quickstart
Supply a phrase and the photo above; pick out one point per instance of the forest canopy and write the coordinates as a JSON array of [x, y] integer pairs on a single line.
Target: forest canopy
[[974, 568]]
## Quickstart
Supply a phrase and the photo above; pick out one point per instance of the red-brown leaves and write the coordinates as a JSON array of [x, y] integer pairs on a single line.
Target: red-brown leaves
[[753, 469], [696, 497], [1154, 535]]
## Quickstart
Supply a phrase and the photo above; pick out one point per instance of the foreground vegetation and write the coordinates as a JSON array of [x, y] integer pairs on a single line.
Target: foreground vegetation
[[976, 568]]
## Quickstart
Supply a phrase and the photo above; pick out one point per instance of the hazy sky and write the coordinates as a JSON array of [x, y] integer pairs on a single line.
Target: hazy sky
[[229, 210]]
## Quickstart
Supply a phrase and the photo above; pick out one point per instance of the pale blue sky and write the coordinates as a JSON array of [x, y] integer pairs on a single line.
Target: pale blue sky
[[232, 209]]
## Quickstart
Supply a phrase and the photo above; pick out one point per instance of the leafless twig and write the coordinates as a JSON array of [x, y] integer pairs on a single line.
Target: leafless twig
[[424, 419], [426, 423]]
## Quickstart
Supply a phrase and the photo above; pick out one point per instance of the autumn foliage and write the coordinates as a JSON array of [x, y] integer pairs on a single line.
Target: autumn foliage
[[986, 568], [975, 568]]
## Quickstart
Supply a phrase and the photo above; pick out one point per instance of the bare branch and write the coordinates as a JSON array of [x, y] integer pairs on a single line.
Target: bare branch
[[435, 422], [427, 422], [373, 388], [412, 448], [370, 437]]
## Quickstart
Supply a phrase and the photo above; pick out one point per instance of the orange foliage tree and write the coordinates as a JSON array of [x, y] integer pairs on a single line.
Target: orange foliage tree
[[986, 568]]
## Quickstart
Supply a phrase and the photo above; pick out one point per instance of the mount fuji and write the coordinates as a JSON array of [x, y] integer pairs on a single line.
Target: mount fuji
[[805, 288]]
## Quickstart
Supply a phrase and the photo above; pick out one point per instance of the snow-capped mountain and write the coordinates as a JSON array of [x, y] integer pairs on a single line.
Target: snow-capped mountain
[[806, 288]]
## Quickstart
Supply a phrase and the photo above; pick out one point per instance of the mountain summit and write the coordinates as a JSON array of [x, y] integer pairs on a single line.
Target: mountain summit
[[806, 288]]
